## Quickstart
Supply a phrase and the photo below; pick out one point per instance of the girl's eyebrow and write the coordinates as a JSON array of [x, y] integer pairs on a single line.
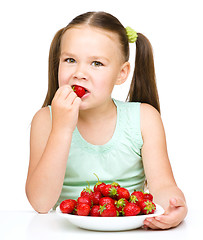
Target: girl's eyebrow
[[67, 54], [90, 57], [99, 58]]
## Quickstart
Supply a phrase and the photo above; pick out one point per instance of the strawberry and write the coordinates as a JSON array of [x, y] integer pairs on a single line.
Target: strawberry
[[109, 191], [106, 200], [147, 206], [99, 185], [131, 209], [67, 206], [116, 185], [148, 196], [123, 193], [95, 211], [96, 196], [108, 210], [85, 199], [87, 192], [83, 209], [80, 91], [136, 196], [120, 204]]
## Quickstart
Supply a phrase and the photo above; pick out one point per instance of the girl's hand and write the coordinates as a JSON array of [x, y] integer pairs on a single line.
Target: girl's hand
[[172, 216], [65, 109]]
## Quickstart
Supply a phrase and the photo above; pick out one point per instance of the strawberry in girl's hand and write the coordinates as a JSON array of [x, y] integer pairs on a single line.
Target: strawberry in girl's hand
[[95, 211], [99, 185], [131, 209], [67, 206], [147, 206], [123, 193], [80, 91], [108, 210], [83, 209]]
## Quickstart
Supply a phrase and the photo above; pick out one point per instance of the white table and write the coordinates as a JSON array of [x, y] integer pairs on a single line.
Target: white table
[[31, 225]]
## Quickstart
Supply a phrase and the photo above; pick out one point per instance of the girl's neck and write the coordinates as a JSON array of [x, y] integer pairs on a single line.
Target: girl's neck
[[97, 114], [97, 125]]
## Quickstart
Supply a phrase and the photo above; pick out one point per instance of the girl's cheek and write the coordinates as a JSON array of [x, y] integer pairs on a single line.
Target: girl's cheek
[[63, 78]]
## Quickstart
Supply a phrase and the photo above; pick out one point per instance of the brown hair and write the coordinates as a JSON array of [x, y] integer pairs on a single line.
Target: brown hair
[[143, 86]]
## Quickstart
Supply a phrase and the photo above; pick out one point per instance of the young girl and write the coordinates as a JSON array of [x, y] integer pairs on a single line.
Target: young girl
[[73, 137]]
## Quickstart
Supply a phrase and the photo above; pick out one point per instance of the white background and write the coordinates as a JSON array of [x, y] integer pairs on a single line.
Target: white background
[[175, 30]]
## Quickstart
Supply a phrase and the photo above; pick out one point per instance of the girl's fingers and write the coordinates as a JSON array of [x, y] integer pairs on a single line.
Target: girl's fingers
[[63, 92], [77, 102], [70, 98], [154, 224]]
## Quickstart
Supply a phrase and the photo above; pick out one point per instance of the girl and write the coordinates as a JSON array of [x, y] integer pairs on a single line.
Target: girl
[[72, 137]]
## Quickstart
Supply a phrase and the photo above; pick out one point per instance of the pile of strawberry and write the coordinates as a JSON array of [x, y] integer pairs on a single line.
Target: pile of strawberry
[[109, 200]]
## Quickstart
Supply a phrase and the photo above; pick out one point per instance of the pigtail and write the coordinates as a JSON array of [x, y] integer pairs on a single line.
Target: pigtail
[[54, 54], [143, 86]]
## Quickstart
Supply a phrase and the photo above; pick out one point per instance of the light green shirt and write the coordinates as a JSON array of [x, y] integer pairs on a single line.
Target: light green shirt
[[118, 160]]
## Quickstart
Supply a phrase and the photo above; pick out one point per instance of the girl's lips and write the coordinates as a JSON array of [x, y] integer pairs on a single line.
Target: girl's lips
[[86, 95]]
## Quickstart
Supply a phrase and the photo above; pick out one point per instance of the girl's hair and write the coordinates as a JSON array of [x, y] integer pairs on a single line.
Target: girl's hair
[[143, 86]]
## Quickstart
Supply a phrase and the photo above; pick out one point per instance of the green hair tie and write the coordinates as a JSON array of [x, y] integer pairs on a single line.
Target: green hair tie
[[132, 34]]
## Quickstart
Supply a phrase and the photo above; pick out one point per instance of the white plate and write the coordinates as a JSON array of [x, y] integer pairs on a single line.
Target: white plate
[[109, 223]]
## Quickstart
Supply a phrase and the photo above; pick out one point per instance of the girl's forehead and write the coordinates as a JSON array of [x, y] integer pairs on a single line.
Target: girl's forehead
[[88, 34]]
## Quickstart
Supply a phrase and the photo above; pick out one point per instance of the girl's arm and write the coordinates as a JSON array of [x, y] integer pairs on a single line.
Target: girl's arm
[[49, 148], [158, 171]]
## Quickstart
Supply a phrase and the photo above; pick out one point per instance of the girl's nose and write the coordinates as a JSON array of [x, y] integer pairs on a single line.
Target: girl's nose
[[80, 73]]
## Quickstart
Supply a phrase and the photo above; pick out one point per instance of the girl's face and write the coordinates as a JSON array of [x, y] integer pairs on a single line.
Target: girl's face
[[91, 58]]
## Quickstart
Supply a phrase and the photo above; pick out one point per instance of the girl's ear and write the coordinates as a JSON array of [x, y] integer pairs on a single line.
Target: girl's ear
[[124, 72]]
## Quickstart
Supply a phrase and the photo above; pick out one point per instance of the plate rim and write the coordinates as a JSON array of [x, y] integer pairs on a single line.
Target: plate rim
[[116, 223], [140, 216]]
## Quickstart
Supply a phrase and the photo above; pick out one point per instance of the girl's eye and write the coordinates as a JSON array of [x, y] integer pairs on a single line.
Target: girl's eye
[[97, 64], [70, 60]]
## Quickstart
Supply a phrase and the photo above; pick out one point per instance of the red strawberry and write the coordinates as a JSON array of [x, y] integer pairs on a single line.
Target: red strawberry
[[109, 191], [108, 210], [148, 196], [116, 185], [136, 196], [85, 199], [67, 206], [95, 211], [87, 192], [131, 209], [99, 185], [106, 200], [120, 204], [80, 91], [83, 209], [96, 196], [123, 193], [147, 206]]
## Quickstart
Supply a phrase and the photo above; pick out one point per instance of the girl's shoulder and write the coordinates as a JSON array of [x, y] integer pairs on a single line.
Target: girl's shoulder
[[148, 112], [150, 120], [42, 115], [41, 121]]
